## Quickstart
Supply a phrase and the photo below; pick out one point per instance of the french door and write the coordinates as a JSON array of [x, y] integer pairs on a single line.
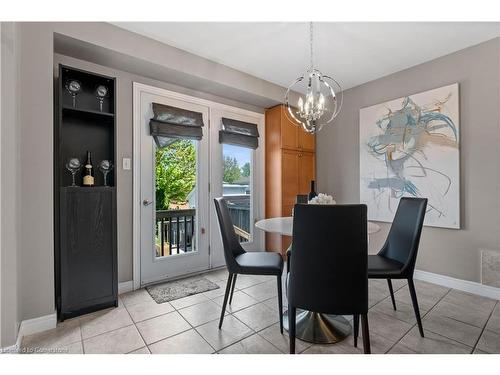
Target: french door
[[242, 192], [174, 234], [178, 232]]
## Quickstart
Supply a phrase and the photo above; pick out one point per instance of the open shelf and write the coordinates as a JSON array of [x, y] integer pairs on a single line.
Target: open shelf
[[86, 112]]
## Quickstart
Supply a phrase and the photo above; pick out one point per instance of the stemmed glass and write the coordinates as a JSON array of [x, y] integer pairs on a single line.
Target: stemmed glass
[[101, 92], [105, 166], [74, 87], [73, 165]]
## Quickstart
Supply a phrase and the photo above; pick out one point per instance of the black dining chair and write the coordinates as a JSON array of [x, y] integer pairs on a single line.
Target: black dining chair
[[300, 199], [239, 261], [396, 259], [329, 269]]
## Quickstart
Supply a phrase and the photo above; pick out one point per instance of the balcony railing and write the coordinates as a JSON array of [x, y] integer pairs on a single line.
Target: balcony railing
[[239, 209], [175, 231]]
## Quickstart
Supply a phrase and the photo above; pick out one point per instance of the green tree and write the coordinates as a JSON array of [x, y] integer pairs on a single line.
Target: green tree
[[232, 170], [175, 172], [245, 170]]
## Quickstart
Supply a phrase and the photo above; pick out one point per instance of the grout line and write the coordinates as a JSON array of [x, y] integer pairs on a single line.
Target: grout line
[[484, 328], [81, 335], [421, 318], [194, 328]]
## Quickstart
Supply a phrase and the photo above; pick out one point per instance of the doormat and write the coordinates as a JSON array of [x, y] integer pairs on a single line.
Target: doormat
[[173, 290]]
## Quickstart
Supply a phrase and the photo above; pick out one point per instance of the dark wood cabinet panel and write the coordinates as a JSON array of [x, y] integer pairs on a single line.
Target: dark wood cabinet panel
[[88, 249]]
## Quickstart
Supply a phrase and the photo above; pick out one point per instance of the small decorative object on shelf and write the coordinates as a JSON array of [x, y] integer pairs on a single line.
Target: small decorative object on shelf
[[88, 178], [105, 166], [322, 199], [101, 92], [74, 87], [312, 193], [73, 165]]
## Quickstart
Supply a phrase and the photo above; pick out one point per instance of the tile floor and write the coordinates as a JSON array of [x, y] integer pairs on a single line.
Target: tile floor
[[454, 322]]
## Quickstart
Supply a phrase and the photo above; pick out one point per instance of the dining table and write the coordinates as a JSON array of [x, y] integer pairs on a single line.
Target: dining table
[[314, 327]]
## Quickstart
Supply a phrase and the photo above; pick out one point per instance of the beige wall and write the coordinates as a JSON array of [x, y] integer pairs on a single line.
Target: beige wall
[[9, 179], [454, 253], [119, 51]]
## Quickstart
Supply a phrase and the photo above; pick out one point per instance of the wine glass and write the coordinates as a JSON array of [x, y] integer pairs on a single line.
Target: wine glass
[[105, 166], [74, 87], [73, 165], [101, 92]]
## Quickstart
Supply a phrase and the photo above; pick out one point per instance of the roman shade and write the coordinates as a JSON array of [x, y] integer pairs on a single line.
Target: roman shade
[[239, 133], [172, 123]]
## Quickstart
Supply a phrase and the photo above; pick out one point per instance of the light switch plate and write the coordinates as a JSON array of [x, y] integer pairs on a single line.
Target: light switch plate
[[126, 164]]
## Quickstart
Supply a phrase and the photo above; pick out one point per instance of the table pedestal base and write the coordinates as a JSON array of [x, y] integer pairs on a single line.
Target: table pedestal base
[[319, 328]]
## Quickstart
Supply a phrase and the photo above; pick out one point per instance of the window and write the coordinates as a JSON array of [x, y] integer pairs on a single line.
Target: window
[[237, 188], [175, 180]]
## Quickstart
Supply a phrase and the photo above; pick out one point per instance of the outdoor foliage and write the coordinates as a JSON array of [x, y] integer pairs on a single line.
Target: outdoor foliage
[[232, 171], [175, 173], [245, 170]]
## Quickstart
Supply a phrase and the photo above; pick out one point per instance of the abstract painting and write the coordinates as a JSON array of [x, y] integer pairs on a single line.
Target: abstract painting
[[409, 147]]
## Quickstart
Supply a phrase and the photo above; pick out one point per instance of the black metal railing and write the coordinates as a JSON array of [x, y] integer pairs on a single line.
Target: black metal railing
[[175, 231], [239, 209]]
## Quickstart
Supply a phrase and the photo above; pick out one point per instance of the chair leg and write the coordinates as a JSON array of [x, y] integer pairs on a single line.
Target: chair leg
[[366, 334], [413, 295], [291, 327], [389, 282], [232, 289], [226, 295], [280, 303], [355, 323]]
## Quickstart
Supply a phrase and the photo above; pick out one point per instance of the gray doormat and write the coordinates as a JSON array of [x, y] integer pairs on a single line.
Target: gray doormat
[[173, 290]]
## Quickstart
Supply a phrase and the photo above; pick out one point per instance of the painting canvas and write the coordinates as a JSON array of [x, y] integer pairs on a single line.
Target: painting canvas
[[409, 147]]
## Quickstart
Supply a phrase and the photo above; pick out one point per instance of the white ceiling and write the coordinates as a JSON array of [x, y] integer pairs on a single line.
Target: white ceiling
[[353, 53]]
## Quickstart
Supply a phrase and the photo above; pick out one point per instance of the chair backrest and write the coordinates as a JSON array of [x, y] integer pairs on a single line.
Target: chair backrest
[[404, 236], [230, 242], [329, 259], [301, 198]]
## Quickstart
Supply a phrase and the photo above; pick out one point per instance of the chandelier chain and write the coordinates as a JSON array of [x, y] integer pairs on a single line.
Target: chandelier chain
[[311, 44]]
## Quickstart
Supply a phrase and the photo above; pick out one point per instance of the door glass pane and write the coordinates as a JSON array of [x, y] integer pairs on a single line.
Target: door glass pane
[[237, 188], [175, 198]]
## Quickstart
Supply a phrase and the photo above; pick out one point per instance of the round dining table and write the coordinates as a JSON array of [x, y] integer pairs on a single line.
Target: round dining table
[[311, 326]]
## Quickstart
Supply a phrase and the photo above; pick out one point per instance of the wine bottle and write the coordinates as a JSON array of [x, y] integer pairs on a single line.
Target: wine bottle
[[312, 193], [88, 176]]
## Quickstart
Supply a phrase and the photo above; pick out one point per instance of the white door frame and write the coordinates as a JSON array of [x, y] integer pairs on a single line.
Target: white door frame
[[138, 89]]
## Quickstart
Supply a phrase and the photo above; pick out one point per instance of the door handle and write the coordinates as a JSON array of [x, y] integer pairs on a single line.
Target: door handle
[[146, 202]]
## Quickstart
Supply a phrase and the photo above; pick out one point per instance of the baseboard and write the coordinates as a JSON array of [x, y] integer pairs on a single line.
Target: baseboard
[[13, 349], [463, 285], [40, 324], [30, 327], [126, 286]]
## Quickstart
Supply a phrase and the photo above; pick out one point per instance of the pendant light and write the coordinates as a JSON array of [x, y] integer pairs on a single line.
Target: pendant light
[[320, 97]]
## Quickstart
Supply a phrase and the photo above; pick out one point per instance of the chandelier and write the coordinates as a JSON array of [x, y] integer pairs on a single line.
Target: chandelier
[[320, 97]]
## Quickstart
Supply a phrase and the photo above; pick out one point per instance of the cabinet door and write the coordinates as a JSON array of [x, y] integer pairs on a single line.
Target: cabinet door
[[290, 177], [88, 249], [307, 142], [289, 132], [306, 171]]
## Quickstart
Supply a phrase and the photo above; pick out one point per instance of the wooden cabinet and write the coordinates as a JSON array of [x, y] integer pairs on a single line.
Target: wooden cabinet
[[88, 262], [292, 136], [290, 167], [85, 236]]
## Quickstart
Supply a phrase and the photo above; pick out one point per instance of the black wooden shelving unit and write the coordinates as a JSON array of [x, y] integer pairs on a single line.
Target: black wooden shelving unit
[[85, 217]]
